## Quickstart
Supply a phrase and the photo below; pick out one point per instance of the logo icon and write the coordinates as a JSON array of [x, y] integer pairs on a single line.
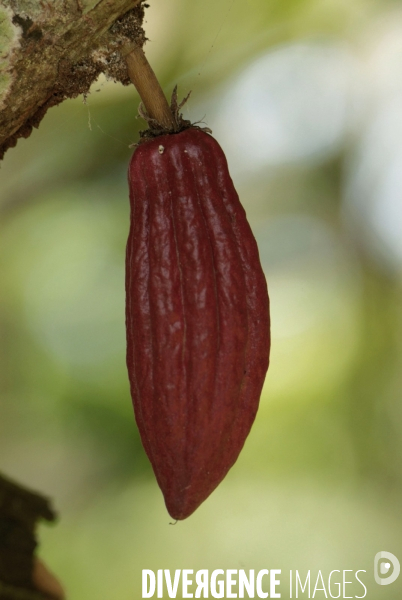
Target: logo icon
[[385, 562]]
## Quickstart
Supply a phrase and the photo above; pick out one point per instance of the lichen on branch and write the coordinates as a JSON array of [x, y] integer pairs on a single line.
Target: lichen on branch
[[53, 51]]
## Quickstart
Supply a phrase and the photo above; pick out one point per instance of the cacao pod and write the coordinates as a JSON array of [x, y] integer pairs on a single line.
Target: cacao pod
[[197, 315]]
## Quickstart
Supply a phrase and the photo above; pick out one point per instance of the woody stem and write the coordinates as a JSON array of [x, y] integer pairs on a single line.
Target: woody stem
[[148, 87]]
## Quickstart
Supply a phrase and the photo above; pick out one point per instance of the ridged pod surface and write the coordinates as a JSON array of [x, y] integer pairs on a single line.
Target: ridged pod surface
[[197, 315]]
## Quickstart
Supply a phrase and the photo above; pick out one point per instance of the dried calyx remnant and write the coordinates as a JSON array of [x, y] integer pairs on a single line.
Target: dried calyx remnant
[[154, 109], [178, 122], [197, 308], [156, 129]]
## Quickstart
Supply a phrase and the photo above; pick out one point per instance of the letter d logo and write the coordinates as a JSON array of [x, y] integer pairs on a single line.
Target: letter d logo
[[384, 567]]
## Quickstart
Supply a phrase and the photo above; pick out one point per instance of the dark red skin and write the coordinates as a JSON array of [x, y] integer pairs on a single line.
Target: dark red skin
[[197, 315]]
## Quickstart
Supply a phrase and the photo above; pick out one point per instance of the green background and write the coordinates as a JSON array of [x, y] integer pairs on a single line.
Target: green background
[[305, 96]]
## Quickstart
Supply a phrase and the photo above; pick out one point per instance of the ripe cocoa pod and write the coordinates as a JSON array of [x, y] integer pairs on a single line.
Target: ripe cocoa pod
[[197, 315]]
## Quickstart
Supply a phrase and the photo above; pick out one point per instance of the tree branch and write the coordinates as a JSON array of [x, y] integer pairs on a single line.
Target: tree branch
[[23, 576], [50, 51]]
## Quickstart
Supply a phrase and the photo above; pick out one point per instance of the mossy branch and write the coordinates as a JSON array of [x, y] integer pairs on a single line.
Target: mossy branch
[[50, 51]]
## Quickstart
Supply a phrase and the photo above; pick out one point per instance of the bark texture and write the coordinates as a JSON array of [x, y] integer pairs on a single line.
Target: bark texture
[[50, 51]]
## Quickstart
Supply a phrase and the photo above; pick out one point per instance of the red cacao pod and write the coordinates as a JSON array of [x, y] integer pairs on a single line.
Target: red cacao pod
[[197, 315]]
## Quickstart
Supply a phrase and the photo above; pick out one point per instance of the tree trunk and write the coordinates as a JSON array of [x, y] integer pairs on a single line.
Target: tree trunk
[[50, 51]]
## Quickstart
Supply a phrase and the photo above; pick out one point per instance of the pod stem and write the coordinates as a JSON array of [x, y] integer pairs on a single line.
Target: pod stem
[[149, 89]]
